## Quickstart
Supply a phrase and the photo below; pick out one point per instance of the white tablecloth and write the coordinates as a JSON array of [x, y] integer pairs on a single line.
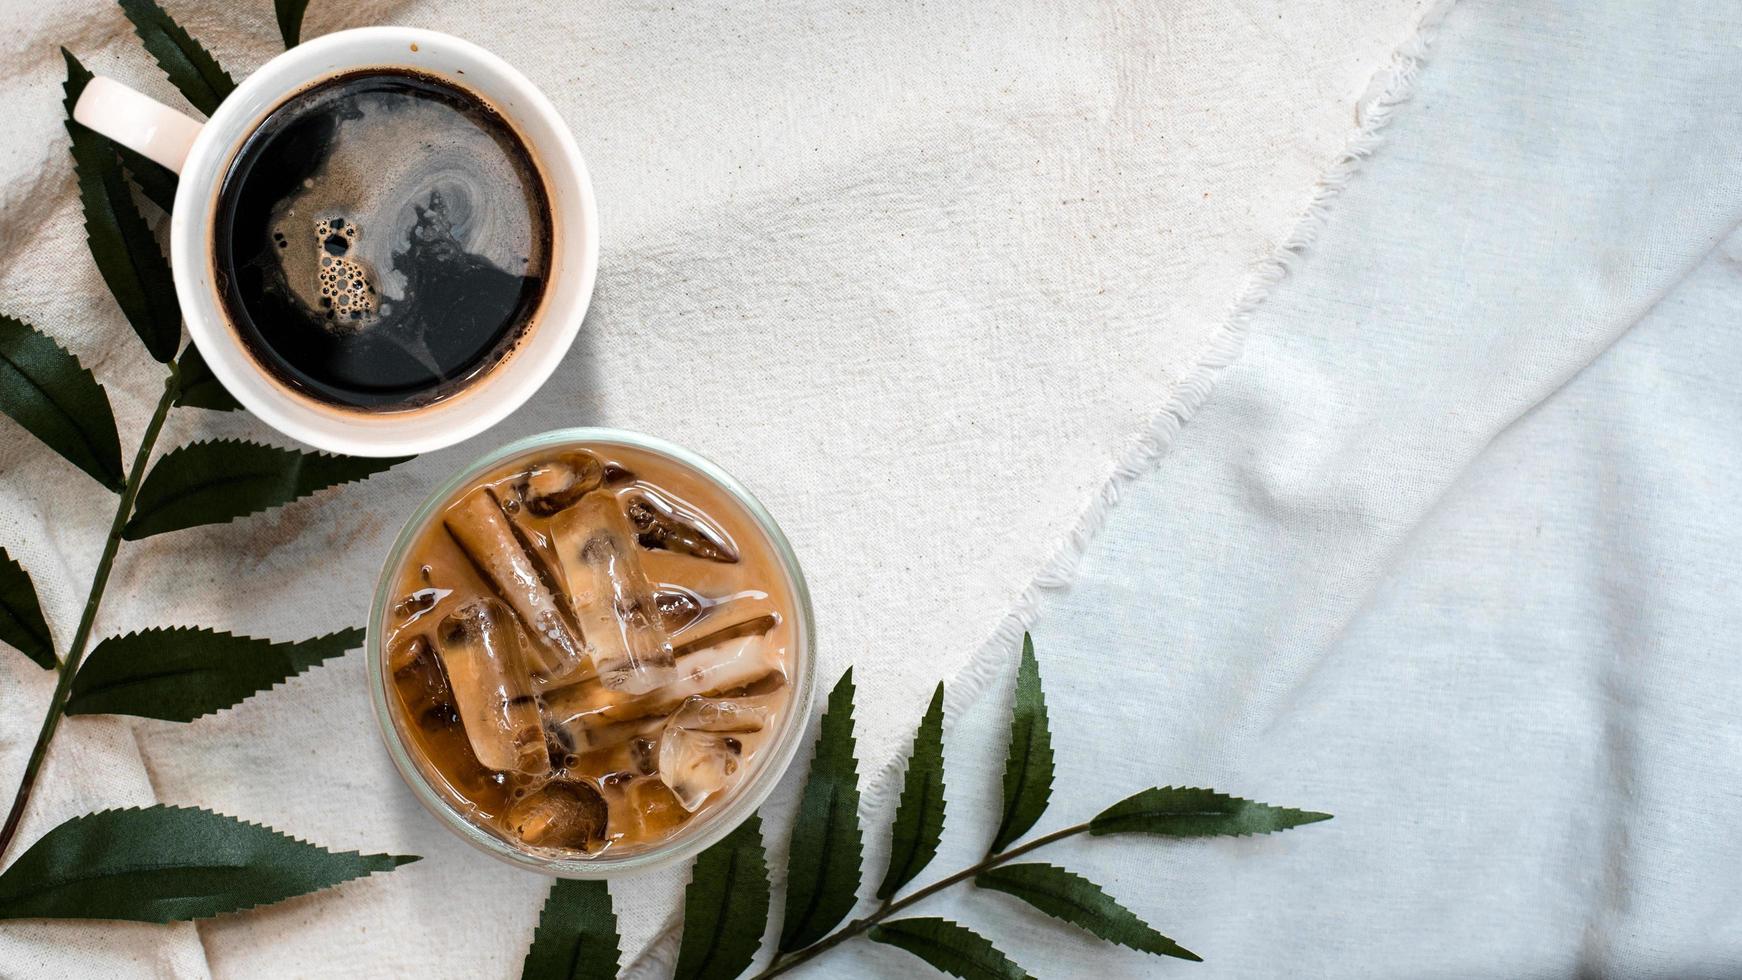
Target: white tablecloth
[[1452, 552], [920, 274]]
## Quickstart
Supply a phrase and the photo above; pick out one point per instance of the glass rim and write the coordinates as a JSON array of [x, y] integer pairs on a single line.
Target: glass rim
[[719, 820]]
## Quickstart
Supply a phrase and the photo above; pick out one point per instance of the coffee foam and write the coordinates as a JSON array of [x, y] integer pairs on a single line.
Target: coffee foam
[[398, 167]]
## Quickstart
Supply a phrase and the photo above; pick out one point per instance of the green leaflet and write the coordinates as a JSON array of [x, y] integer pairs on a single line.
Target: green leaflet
[[218, 481], [576, 937], [21, 622], [180, 673], [290, 20], [201, 388], [169, 864], [823, 858], [919, 817], [1028, 766], [725, 907], [46, 390], [125, 251], [156, 181], [196, 74], [1079, 901], [956, 950], [1191, 812]]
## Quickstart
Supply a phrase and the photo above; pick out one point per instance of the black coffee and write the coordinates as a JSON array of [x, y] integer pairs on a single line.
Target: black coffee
[[382, 239]]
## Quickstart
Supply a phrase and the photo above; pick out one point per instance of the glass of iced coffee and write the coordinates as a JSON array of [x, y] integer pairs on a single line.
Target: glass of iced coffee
[[590, 652]]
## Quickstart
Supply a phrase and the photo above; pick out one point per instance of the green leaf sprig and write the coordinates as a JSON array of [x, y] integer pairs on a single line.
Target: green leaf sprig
[[21, 622], [181, 673], [949, 947], [200, 388], [157, 864], [919, 816], [54, 396], [289, 13], [194, 73], [576, 937], [170, 864], [823, 858], [217, 481], [1028, 766], [725, 906]]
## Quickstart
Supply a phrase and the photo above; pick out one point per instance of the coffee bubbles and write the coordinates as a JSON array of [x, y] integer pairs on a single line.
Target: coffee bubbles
[[385, 239], [346, 286]]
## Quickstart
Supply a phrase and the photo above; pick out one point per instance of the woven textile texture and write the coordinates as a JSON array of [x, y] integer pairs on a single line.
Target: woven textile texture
[[919, 274], [1450, 553]]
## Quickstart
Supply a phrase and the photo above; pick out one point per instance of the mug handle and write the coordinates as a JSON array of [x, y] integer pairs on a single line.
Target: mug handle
[[138, 122]]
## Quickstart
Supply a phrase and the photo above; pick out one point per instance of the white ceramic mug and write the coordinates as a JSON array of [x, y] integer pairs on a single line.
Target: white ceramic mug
[[202, 154]]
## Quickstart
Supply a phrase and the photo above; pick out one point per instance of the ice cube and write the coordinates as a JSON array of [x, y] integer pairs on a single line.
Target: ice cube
[[557, 484], [561, 747], [480, 647], [695, 765], [563, 813], [661, 525], [608, 734], [747, 615], [731, 716], [587, 709], [653, 810], [493, 544], [645, 753], [702, 749], [429, 700], [710, 626], [422, 684], [612, 596], [678, 607]]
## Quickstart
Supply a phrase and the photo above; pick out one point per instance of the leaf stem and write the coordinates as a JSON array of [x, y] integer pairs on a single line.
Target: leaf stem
[[99, 581], [887, 909]]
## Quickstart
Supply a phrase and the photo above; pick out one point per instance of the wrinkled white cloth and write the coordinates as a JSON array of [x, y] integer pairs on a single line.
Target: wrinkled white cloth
[[919, 274], [1451, 552]]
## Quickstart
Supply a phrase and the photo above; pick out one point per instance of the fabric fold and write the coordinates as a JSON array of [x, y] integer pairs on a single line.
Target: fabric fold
[[1448, 552], [920, 274]]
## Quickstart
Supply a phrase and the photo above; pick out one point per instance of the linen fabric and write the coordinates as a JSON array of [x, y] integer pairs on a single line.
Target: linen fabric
[[1450, 553], [918, 274]]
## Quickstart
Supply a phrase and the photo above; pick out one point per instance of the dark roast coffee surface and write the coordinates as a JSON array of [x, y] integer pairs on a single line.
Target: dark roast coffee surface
[[382, 239]]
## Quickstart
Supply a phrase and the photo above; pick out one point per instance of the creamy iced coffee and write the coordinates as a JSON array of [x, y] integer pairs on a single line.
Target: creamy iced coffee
[[590, 646]]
